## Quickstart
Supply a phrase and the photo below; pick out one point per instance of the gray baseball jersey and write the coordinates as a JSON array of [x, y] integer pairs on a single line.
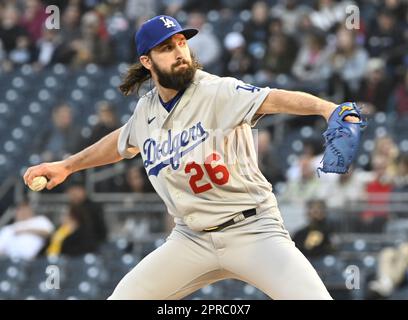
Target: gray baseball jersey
[[200, 157]]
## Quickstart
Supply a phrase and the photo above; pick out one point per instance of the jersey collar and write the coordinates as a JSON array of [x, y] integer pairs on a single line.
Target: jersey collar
[[172, 102], [159, 111]]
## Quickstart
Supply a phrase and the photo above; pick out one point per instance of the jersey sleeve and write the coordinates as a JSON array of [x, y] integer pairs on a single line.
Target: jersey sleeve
[[124, 137], [237, 103]]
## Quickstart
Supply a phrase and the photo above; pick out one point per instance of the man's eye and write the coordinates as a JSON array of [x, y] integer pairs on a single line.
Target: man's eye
[[167, 48]]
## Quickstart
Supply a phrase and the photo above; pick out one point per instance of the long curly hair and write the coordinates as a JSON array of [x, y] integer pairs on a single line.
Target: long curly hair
[[137, 74]]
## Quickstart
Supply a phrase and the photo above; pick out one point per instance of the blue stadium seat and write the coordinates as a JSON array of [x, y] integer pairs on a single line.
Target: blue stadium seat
[[249, 292], [5, 111], [210, 292], [8, 289]]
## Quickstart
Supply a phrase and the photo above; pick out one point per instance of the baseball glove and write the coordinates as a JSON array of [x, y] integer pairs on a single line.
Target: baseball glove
[[342, 139]]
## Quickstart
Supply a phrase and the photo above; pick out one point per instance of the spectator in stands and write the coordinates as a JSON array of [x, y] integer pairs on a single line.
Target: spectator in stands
[[14, 38], [91, 211], [47, 47], [107, 121], [280, 56], [70, 24], [348, 188], [205, 44], [290, 11], [375, 87], [377, 195], [94, 44], [256, 29], [304, 188], [224, 23], [385, 38], [397, 7], [237, 61], [348, 65], [22, 53], [392, 269], [199, 5], [62, 138], [74, 236], [171, 7], [329, 13], [314, 240], [311, 66], [10, 29], [386, 147], [134, 9], [312, 148], [236, 5], [400, 183], [275, 27], [137, 181], [398, 103], [26, 236], [401, 179], [304, 26], [118, 26], [268, 160], [33, 19], [260, 50], [69, 33]]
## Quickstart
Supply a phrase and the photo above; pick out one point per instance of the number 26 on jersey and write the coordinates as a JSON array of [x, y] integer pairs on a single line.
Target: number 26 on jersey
[[218, 174]]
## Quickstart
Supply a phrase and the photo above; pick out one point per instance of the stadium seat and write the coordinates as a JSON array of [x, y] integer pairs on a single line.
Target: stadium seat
[[8, 290]]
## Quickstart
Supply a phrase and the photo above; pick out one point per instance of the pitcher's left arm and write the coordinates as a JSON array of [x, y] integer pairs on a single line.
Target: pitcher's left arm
[[297, 103]]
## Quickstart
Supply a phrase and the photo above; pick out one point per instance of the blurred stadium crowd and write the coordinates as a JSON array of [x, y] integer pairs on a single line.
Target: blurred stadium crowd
[[59, 94]]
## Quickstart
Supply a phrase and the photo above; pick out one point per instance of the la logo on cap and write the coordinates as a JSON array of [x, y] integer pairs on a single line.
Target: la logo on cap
[[167, 22]]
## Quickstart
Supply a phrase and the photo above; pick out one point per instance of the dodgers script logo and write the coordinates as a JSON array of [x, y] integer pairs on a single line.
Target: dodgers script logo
[[171, 148]]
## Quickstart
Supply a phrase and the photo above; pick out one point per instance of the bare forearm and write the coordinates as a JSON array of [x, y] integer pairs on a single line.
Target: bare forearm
[[295, 102], [103, 152], [100, 153]]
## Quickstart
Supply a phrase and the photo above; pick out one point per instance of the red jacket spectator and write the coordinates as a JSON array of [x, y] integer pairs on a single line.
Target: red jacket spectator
[[401, 97], [34, 18]]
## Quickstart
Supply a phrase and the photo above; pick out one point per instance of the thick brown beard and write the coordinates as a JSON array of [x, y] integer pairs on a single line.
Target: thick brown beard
[[177, 80]]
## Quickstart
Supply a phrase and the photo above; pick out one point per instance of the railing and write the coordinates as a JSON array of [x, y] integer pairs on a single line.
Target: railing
[[293, 213], [11, 184]]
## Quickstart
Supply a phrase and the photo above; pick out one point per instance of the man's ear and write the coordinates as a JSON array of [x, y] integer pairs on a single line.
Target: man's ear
[[146, 62]]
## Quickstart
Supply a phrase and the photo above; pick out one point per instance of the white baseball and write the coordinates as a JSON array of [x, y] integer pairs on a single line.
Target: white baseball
[[38, 183]]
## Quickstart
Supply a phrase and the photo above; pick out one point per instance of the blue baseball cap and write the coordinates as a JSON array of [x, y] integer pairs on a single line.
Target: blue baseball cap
[[157, 30]]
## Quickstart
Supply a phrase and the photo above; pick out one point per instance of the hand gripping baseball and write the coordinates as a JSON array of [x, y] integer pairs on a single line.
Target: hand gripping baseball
[[55, 172]]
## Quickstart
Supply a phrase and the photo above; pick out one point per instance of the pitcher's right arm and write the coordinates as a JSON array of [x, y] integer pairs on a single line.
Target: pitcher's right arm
[[103, 152]]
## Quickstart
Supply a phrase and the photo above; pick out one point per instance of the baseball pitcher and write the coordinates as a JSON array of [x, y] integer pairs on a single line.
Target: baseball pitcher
[[193, 131]]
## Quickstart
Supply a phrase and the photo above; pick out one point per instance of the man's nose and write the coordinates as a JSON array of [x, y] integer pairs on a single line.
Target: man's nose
[[178, 52]]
